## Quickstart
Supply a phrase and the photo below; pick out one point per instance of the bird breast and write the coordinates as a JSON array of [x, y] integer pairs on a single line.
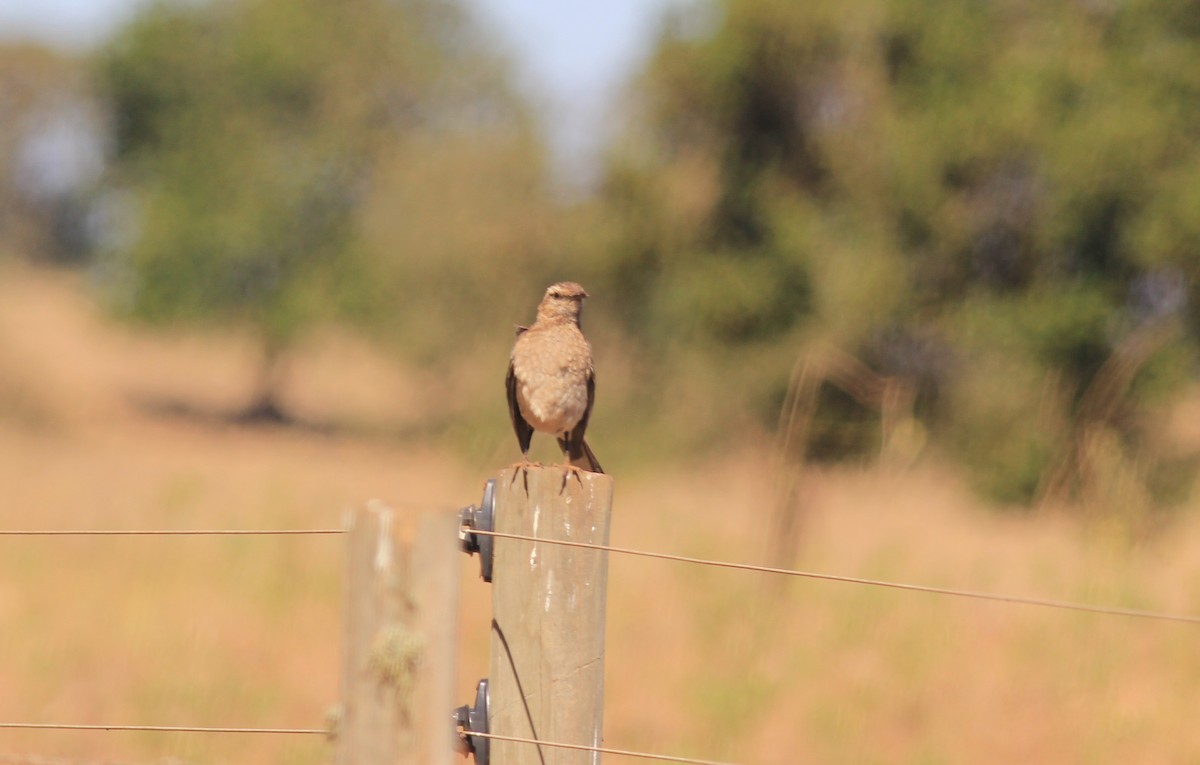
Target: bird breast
[[551, 369]]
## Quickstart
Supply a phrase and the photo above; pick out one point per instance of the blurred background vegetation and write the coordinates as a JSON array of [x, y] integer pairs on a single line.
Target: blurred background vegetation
[[865, 229]]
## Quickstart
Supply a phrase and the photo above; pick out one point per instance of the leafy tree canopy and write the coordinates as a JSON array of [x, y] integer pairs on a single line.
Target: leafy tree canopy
[[986, 199], [265, 145]]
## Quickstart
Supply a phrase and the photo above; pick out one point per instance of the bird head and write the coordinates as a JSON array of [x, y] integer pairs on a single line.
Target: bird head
[[563, 300]]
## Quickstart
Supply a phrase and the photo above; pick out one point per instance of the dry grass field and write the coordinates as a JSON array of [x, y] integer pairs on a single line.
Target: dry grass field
[[104, 428]]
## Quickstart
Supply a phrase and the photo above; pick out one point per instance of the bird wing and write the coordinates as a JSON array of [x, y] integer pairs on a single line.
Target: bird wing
[[522, 428], [576, 447], [591, 395]]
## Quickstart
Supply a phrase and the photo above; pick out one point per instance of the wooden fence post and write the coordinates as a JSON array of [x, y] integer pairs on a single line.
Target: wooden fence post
[[547, 648], [398, 667]]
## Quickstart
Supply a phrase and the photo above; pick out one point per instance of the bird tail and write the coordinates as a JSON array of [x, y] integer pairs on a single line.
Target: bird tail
[[585, 458]]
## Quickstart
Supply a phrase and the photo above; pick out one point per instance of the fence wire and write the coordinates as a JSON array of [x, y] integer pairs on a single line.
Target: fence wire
[[162, 532], [324, 732], [989, 596], [953, 592], [162, 728]]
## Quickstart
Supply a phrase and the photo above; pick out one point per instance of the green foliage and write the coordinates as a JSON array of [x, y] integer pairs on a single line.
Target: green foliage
[[733, 300], [1001, 423], [282, 158], [1013, 183], [246, 160]]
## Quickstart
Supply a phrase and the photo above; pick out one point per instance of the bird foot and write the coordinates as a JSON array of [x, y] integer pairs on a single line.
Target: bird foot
[[522, 467], [570, 470]]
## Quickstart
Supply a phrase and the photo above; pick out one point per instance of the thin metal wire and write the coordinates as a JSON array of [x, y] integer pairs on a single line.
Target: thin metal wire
[[160, 532], [1107, 610], [161, 728], [599, 749]]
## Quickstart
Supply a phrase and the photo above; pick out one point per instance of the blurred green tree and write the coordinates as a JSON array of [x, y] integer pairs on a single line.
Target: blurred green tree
[[987, 200], [255, 139]]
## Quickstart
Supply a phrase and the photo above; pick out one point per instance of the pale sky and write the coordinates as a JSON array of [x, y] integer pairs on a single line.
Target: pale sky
[[573, 55]]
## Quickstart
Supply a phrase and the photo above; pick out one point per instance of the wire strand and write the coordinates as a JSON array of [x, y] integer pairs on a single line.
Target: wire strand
[[598, 749], [161, 532], [994, 597], [159, 728]]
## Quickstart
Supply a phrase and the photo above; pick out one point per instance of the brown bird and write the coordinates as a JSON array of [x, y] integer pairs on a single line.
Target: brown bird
[[551, 384]]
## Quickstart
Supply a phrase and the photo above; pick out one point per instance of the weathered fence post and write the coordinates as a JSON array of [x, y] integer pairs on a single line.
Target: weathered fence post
[[547, 647], [398, 667]]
